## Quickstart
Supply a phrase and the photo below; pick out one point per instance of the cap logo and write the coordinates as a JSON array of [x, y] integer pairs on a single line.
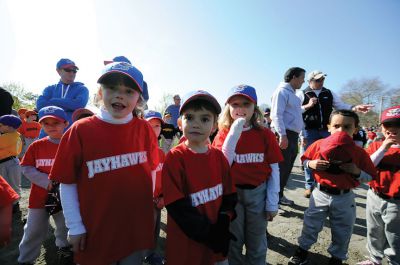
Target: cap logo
[[122, 66], [393, 112], [49, 110]]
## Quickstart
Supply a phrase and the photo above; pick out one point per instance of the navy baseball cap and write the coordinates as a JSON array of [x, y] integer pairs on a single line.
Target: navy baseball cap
[[126, 69], [151, 114], [200, 94], [52, 112], [66, 63], [11, 120], [243, 90]]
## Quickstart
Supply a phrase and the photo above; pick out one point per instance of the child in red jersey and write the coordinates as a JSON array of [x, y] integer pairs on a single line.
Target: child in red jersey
[[383, 197], [198, 191], [36, 166], [105, 165], [156, 122], [338, 165], [254, 154], [7, 197], [29, 130]]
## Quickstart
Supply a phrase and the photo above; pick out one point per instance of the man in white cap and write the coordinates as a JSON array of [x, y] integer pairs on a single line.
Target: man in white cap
[[318, 104]]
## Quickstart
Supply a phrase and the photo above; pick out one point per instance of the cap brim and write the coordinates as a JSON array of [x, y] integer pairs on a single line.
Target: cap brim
[[122, 73], [66, 66], [212, 100], [107, 62], [241, 94], [51, 116], [152, 118]]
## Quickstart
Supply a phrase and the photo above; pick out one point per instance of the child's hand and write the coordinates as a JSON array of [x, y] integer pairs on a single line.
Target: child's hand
[[238, 124], [78, 242], [270, 215], [388, 142], [318, 164], [350, 168]]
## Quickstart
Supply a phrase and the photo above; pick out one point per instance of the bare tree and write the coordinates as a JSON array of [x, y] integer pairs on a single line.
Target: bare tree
[[164, 102]]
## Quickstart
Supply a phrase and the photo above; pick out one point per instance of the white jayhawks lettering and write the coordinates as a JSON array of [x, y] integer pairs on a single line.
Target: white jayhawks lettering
[[44, 162], [249, 158], [159, 167], [115, 162], [206, 195]]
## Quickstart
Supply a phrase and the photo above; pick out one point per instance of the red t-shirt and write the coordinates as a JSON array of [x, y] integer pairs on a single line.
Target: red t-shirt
[[40, 154], [7, 194], [111, 165], [30, 129], [255, 151], [388, 181], [158, 189], [204, 178], [344, 180], [371, 135]]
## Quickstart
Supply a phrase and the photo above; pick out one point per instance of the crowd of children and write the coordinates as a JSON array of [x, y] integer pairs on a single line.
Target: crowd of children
[[113, 179]]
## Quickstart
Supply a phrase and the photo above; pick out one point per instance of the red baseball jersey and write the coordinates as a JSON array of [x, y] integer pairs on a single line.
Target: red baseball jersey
[[344, 180], [255, 151], [111, 165], [158, 189], [7, 194], [30, 129], [40, 154], [205, 179], [388, 181]]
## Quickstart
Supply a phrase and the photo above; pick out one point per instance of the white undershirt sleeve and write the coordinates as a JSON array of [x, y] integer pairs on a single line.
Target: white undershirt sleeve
[[273, 188], [229, 146], [71, 209]]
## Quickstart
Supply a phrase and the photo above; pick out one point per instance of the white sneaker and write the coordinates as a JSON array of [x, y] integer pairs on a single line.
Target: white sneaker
[[286, 201]]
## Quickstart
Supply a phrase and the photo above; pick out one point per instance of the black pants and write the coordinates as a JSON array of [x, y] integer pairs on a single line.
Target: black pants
[[289, 156]]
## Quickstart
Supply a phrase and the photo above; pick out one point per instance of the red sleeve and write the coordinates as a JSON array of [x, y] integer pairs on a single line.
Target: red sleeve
[[153, 157], [373, 147], [172, 178], [273, 153], [29, 157], [310, 152], [68, 161], [228, 184], [7, 194], [220, 138]]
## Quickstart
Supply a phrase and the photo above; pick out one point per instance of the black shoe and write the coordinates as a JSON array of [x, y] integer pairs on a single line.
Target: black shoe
[[65, 256], [335, 261], [299, 257]]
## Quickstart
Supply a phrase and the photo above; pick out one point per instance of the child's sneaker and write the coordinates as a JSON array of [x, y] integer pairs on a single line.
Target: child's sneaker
[[65, 256], [335, 261], [299, 257], [368, 262], [154, 259]]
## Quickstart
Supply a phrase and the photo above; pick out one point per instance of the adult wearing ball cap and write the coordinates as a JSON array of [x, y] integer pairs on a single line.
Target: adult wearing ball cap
[[318, 102], [66, 94]]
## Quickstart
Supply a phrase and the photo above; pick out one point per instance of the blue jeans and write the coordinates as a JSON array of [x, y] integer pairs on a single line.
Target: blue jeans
[[312, 135]]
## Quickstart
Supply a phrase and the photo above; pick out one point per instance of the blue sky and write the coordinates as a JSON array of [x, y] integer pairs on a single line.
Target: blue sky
[[182, 45]]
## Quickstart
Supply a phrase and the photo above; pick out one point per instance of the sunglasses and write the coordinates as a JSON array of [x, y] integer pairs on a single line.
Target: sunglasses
[[319, 80], [70, 70]]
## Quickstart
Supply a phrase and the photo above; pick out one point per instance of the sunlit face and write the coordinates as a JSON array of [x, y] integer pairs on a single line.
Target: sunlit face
[[67, 75], [156, 125], [31, 118], [197, 125], [392, 132], [340, 123], [53, 127], [241, 107], [119, 100], [297, 82]]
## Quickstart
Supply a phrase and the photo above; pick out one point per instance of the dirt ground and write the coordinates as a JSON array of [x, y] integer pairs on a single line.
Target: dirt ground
[[284, 231]]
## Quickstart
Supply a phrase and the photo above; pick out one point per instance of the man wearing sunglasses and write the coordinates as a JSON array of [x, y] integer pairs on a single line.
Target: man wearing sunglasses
[[66, 94], [318, 104]]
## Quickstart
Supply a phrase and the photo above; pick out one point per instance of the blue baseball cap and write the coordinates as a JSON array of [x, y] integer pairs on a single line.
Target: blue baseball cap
[[66, 63], [118, 59], [200, 94], [151, 114], [11, 120], [52, 112], [243, 90], [126, 69]]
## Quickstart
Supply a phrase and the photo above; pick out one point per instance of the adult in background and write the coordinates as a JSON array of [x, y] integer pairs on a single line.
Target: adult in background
[[66, 94], [6, 102], [286, 119], [318, 103], [173, 109]]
